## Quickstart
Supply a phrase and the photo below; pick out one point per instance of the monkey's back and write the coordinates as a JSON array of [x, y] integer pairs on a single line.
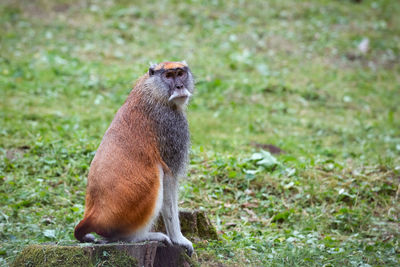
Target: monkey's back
[[124, 176]]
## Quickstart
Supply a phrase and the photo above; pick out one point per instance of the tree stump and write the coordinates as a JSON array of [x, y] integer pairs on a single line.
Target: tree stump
[[195, 226], [149, 254]]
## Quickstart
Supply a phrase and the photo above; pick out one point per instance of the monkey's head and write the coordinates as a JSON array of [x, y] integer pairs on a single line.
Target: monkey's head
[[171, 83]]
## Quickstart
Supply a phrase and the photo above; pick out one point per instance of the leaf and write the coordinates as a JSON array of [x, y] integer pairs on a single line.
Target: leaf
[[282, 216], [267, 160], [252, 172], [232, 174], [290, 171], [49, 233], [256, 156], [289, 185], [264, 158]]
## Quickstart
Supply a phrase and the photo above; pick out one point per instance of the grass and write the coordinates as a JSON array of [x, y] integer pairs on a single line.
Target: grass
[[286, 73]]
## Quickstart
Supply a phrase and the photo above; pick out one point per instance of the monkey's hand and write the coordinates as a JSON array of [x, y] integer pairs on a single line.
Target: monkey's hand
[[152, 236], [184, 242]]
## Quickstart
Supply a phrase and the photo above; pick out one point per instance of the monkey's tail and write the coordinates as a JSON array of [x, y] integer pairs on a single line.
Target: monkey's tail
[[82, 230]]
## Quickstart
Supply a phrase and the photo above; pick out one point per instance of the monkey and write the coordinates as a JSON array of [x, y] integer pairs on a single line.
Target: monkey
[[135, 172]]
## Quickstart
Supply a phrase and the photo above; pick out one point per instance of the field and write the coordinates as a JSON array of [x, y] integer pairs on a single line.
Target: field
[[280, 76]]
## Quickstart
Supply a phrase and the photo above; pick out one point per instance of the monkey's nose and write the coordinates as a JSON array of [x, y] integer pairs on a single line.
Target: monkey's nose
[[179, 86]]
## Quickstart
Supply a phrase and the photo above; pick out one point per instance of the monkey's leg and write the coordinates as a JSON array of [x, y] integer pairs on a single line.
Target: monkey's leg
[[144, 234], [170, 214]]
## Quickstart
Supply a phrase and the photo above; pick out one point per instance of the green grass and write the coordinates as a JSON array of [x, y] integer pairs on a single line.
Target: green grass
[[286, 73]]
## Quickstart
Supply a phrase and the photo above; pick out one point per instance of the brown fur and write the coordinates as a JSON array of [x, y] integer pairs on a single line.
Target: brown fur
[[123, 180]]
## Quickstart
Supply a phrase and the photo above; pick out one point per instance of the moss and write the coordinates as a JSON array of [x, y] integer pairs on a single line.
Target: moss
[[194, 224], [109, 256], [188, 224], [36, 255], [159, 225], [53, 255], [205, 229], [185, 260]]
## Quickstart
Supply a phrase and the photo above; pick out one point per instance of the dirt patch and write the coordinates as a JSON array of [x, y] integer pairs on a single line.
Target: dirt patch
[[271, 148], [15, 153]]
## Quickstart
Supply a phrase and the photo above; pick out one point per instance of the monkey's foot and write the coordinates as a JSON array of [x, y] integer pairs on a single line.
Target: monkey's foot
[[88, 238], [185, 243]]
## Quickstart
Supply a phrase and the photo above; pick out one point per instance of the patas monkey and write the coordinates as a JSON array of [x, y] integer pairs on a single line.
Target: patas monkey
[[134, 174]]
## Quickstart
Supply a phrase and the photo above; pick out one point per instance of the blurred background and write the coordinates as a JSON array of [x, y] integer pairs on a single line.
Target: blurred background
[[295, 123]]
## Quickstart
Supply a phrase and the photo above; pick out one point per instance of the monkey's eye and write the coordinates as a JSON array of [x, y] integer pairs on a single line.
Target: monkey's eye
[[169, 75], [180, 73]]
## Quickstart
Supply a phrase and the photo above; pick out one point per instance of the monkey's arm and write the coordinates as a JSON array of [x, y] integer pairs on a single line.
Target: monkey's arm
[[170, 213]]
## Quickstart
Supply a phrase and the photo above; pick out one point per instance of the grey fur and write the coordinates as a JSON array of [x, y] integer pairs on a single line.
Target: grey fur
[[173, 137], [170, 123]]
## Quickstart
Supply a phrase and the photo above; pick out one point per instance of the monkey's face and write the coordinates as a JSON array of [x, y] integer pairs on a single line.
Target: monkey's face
[[174, 80]]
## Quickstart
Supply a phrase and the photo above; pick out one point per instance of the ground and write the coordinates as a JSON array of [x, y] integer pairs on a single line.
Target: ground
[[286, 75]]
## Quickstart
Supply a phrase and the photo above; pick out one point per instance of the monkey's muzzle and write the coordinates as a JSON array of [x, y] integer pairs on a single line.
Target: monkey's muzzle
[[180, 96]]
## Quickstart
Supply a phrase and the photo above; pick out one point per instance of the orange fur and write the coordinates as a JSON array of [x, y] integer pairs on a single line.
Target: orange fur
[[123, 180], [169, 65]]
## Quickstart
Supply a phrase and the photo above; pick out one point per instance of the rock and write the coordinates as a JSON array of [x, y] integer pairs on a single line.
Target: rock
[[363, 46], [147, 254], [195, 226]]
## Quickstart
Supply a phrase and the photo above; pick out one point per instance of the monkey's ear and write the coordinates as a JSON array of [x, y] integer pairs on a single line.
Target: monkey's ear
[[151, 71]]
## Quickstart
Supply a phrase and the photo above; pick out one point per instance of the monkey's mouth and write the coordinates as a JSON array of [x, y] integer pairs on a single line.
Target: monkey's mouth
[[181, 95]]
